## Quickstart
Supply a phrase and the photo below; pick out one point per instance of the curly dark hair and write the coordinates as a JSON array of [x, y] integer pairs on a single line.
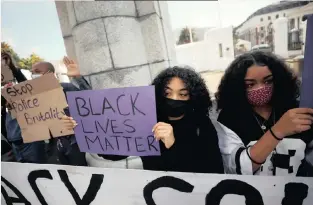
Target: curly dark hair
[[199, 94], [231, 94]]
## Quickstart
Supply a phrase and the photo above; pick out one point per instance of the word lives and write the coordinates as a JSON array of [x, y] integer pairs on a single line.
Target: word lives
[[115, 121]]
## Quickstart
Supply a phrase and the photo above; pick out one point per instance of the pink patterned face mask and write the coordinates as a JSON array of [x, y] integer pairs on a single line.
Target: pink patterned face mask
[[260, 96]]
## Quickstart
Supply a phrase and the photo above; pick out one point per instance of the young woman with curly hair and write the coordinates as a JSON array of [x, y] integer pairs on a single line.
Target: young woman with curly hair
[[189, 139], [258, 99]]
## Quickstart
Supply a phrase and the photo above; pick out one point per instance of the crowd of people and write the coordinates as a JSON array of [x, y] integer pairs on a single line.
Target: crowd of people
[[259, 129]]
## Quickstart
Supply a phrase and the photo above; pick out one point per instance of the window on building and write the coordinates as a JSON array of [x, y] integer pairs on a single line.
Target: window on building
[[284, 15], [261, 19], [262, 28], [298, 22], [269, 18], [220, 46], [291, 24], [277, 16], [262, 35]]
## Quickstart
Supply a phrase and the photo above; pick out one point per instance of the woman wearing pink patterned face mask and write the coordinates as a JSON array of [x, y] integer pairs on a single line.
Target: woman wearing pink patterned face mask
[[258, 101]]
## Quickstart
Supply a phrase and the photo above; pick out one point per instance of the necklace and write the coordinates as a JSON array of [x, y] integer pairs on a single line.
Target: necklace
[[262, 125]]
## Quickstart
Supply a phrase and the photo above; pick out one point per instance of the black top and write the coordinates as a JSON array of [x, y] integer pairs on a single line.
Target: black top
[[195, 149]]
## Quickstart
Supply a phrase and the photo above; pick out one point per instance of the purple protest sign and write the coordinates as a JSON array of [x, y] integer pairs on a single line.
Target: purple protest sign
[[115, 121], [306, 97]]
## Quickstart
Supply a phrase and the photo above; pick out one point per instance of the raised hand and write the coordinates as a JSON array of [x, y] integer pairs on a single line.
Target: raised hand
[[72, 67], [294, 121]]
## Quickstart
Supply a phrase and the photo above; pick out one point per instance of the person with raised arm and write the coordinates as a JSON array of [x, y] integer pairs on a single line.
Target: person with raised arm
[[67, 148]]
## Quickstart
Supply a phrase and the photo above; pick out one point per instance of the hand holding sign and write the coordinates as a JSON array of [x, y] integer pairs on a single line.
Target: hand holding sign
[[163, 131], [69, 122], [294, 121]]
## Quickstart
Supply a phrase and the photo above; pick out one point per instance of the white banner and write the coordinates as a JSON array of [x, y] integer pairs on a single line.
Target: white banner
[[55, 184]]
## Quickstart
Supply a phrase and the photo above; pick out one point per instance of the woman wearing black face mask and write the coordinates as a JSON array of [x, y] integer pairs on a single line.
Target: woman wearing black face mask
[[189, 140]]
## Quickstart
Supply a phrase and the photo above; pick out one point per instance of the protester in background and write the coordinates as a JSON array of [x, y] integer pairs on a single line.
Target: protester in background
[[257, 97], [67, 148], [189, 140], [33, 152]]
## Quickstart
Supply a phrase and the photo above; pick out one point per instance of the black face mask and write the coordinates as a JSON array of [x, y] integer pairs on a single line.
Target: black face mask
[[176, 108]]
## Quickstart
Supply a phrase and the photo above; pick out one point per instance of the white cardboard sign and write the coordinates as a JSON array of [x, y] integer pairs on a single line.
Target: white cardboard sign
[[57, 184]]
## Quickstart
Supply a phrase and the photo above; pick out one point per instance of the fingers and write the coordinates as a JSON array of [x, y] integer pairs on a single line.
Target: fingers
[[305, 117], [304, 111], [69, 122], [303, 122], [66, 60], [302, 128], [159, 124]]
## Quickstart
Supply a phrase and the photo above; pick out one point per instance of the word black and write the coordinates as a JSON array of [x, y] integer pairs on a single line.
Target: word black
[[85, 109]]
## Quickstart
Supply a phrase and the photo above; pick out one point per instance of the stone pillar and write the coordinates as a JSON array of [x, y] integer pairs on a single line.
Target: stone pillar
[[117, 43], [281, 37]]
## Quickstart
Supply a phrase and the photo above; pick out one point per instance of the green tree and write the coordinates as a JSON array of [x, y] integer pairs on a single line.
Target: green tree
[[184, 36], [8, 48], [26, 63]]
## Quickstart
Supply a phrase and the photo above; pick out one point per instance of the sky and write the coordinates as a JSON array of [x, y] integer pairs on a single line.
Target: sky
[[33, 26]]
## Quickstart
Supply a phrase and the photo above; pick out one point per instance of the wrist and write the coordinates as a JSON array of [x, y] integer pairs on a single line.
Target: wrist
[[277, 132]]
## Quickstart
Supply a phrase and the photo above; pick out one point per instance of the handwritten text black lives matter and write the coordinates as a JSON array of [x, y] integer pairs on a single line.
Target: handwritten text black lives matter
[[26, 106], [115, 131]]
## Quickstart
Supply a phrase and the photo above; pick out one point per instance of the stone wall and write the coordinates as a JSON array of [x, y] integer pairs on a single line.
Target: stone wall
[[117, 43]]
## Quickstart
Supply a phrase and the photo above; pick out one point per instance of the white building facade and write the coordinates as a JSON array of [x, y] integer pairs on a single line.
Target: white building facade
[[258, 28]]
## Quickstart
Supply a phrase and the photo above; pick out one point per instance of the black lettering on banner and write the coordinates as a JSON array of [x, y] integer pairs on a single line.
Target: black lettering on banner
[[168, 182], [79, 107], [127, 125], [150, 144], [118, 106], [93, 141], [12, 200], [92, 109], [232, 186], [295, 193], [138, 145], [91, 193], [104, 107], [133, 104], [32, 177]]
